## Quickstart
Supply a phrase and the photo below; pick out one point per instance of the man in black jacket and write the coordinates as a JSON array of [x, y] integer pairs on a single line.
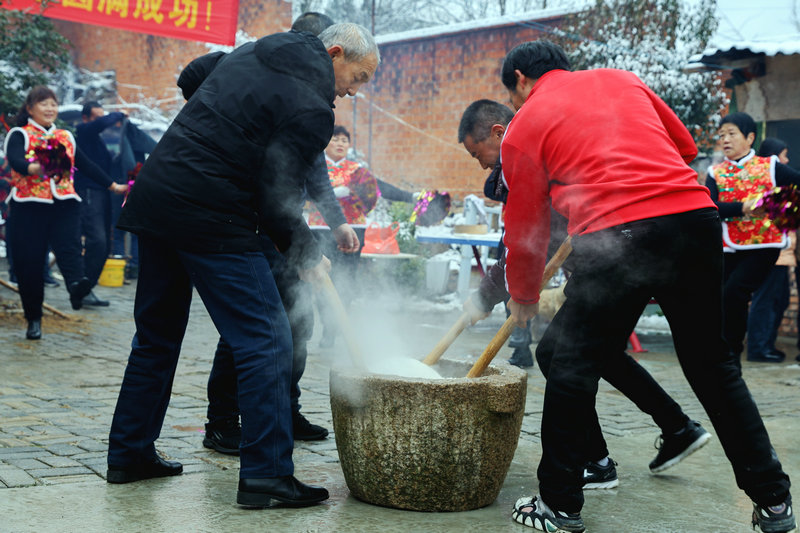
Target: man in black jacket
[[96, 204], [223, 430], [228, 169]]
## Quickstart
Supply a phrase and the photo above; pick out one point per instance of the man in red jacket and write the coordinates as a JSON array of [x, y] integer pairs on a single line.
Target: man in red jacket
[[608, 154]]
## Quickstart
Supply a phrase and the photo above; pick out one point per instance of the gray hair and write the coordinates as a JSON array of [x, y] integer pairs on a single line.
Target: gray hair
[[356, 41]]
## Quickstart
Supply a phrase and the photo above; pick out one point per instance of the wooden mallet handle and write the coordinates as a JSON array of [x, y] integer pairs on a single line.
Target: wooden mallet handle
[[502, 336], [49, 307], [447, 340], [344, 323]]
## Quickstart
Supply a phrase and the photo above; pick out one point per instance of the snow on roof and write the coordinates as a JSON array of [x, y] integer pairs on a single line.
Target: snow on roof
[[770, 27], [436, 31]]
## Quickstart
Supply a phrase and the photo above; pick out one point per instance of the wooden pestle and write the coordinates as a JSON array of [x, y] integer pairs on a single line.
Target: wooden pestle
[[502, 336], [340, 313]]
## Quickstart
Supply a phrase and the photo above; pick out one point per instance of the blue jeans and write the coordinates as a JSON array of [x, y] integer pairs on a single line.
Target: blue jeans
[[239, 294], [296, 297], [769, 303]]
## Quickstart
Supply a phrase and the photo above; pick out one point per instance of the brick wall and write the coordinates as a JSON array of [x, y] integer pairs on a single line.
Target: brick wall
[[147, 66], [419, 92]]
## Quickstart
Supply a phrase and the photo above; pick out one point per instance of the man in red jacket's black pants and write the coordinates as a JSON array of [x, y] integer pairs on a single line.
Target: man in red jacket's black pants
[[611, 156]]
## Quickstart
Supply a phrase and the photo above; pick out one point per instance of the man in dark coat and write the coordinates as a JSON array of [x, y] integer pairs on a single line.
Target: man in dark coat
[[223, 430], [96, 204], [228, 169], [134, 147]]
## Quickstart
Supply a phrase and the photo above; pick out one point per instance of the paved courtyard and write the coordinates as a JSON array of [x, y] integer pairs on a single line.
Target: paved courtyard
[[57, 397]]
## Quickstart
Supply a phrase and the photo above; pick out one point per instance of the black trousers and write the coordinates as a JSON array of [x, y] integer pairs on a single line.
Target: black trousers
[[745, 271], [676, 259], [95, 228], [627, 376], [32, 227]]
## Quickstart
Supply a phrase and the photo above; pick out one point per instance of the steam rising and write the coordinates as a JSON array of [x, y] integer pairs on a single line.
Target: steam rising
[[387, 347]]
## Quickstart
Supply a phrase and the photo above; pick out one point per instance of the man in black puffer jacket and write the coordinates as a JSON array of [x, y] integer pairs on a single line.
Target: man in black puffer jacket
[[223, 430], [231, 168]]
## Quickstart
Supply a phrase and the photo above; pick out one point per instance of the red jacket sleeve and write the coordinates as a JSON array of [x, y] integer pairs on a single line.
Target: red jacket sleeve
[[527, 223]]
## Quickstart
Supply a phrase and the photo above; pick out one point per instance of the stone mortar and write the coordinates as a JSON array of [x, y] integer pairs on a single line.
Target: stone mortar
[[427, 444]]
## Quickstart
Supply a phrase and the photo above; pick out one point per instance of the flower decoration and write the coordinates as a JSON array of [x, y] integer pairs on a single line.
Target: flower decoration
[[53, 157], [781, 206], [431, 208], [132, 174]]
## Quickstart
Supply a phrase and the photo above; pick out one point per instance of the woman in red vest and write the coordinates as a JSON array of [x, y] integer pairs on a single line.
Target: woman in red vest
[[43, 203], [752, 244]]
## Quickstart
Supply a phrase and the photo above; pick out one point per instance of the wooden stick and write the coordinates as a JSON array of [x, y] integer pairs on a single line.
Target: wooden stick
[[442, 346], [343, 322], [502, 336], [44, 305]]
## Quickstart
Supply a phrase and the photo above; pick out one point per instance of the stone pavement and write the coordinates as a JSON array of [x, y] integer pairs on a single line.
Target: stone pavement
[[57, 396]]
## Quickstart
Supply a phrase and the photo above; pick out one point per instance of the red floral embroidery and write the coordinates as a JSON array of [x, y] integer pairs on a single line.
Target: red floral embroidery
[[738, 184], [47, 148], [363, 192]]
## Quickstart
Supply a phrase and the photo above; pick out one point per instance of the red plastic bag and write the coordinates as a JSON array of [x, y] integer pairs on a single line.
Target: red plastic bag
[[378, 240]]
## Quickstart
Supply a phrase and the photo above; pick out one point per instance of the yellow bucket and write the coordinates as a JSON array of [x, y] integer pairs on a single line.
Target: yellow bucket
[[113, 274]]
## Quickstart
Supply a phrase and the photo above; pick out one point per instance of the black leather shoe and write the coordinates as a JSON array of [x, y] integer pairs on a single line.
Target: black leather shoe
[[34, 330], [77, 290], [271, 492], [305, 430], [156, 467], [224, 437], [93, 300], [766, 358]]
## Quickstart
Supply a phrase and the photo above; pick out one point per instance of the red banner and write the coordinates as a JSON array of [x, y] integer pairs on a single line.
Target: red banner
[[211, 21]]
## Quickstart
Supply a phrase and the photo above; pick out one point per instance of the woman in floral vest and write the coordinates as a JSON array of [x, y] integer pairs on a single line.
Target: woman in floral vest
[[752, 244], [43, 203]]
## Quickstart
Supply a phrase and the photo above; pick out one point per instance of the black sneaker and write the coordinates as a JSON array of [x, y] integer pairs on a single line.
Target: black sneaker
[[600, 477], [77, 290], [305, 430], [224, 437], [774, 518], [674, 448], [533, 512]]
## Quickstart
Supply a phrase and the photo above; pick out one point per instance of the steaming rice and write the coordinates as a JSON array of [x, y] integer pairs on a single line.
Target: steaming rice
[[402, 366]]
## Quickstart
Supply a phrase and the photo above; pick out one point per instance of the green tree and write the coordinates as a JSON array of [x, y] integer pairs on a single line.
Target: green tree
[[654, 39], [30, 51]]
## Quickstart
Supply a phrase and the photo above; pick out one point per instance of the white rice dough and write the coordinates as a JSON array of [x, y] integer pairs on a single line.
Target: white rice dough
[[402, 366]]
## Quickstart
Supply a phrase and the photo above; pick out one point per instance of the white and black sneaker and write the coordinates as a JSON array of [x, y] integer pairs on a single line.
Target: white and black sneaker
[[600, 477], [533, 512], [774, 518], [672, 449]]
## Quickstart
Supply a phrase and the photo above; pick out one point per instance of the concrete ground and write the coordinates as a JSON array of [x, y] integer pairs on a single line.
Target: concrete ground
[[57, 397]]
